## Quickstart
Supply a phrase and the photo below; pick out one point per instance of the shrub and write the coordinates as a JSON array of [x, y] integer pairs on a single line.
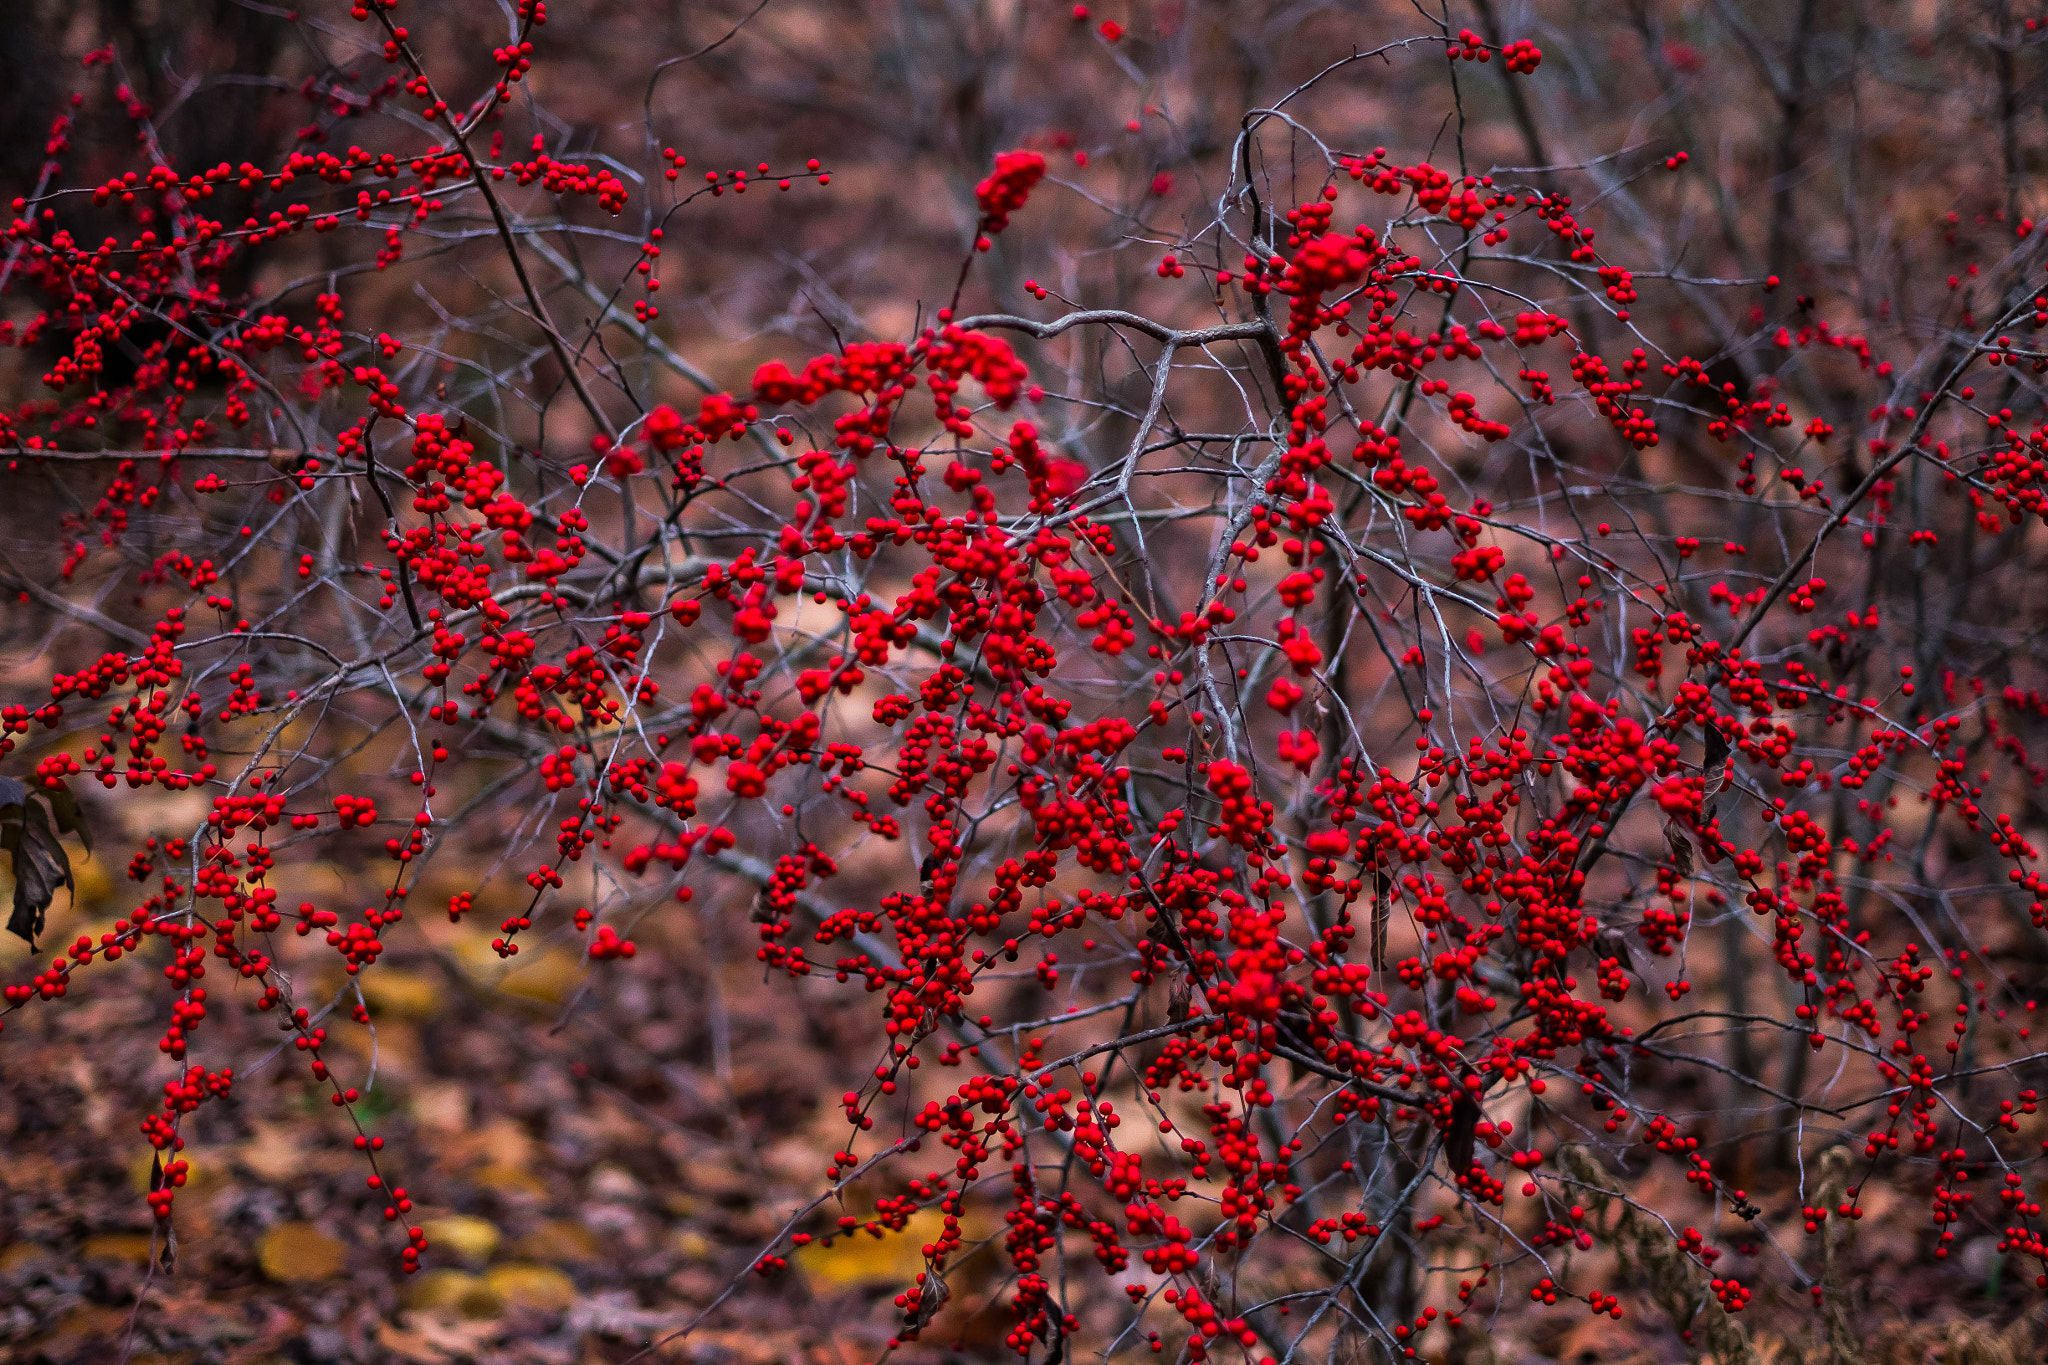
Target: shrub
[[1391, 745]]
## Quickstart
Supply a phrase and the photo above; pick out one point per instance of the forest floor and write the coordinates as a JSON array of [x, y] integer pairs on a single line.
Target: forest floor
[[597, 1162]]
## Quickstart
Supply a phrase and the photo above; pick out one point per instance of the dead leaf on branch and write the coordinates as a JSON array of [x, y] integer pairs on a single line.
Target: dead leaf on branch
[[1715, 770], [932, 1297], [1681, 849], [1612, 943], [167, 1256], [31, 823], [1382, 911], [1459, 1141]]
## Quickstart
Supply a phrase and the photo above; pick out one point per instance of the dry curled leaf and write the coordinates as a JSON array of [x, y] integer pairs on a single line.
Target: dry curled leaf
[[1166, 933], [1716, 768], [932, 1297], [1382, 910], [1614, 944], [31, 823], [166, 1251], [1681, 849], [1458, 1142]]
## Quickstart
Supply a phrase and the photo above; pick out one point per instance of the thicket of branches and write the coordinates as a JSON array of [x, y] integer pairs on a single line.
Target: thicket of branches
[[1398, 647]]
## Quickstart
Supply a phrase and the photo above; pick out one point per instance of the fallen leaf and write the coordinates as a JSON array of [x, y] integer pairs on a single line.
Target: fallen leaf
[[21, 1253], [508, 1179], [692, 1245], [118, 1246], [276, 1153], [441, 1106], [860, 1259], [201, 1169], [431, 1338], [547, 978], [505, 1142], [472, 1238], [454, 1291], [406, 995], [561, 1242], [300, 1252], [613, 1184], [532, 1286]]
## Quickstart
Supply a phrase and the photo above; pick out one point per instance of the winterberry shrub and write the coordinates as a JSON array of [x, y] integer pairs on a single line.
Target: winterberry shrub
[[1371, 727]]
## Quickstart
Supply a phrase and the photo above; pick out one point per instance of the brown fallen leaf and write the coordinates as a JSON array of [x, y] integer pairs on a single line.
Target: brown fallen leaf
[[561, 1242], [431, 1338], [402, 994], [531, 1286], [470, 1237], [117, 1246], [295, 1253], [13, 1258], [446, 1291], [506, 1178]]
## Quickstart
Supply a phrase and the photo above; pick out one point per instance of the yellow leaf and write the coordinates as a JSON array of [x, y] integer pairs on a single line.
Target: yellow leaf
[[95, 883], [508, 1179], [548, 978], [118, 1246], [21, 1253], [295, 1252], [473, 1239], [196, 1178], [407, 995], [532, 1286], [454, 1291], [860, 1259]]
